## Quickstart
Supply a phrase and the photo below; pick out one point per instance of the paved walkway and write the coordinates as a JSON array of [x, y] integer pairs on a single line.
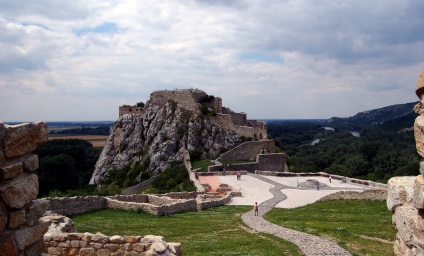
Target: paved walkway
[[308, 244]]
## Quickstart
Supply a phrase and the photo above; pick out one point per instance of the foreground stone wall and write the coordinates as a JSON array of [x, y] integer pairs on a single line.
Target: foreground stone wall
[[406, 194], [20, 230], [88, 244]]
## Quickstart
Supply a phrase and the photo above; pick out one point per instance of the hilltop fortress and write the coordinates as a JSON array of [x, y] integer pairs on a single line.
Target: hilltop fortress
[[158, 132], [193, 100]]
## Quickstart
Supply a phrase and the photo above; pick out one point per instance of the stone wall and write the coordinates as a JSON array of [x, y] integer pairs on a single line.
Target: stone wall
[[88, 244], [406, 194], [144, 184], [21, 231], [248, 150], [369, 194], [236, 118], [187, 98], [125, 109], [76, 204]]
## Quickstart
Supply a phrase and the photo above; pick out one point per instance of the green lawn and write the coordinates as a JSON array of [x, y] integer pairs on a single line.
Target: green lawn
[[202, 164], [216, 231], [362, 227]]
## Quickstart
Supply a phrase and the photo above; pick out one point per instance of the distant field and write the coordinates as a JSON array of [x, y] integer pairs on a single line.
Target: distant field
[[96, 140]]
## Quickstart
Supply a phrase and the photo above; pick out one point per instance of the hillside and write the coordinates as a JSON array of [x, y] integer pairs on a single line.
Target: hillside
[[401, 112]]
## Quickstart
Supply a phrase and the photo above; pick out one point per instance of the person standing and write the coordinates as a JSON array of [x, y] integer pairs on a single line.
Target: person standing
[[256, 208]]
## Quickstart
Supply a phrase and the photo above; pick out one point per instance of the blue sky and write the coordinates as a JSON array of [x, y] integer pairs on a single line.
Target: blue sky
[[79, 60]]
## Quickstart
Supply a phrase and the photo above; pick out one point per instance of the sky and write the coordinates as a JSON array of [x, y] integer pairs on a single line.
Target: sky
[[293, 59]]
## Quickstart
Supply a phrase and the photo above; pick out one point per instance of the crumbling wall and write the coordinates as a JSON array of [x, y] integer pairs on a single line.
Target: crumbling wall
[[249, 150], [126, 109], [406, 194], [99, 244], [21, 232]]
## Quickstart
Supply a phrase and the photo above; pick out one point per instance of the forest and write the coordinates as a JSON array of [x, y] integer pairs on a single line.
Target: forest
[[377, 154]]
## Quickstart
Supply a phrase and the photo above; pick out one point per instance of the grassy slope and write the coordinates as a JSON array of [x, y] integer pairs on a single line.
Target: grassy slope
[[361, 227], [216, 231]]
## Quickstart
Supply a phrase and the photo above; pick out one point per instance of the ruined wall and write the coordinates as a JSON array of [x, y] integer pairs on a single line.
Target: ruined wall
[[248, 150], [99, 244], [21, 231], [236, 118], [272, 162], [187, 98], [125, 109], [76, 204], [406, 194], [260, 129]]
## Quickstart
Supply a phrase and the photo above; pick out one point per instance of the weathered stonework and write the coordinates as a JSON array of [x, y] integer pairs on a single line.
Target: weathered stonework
[[406, 194], [21, 232]]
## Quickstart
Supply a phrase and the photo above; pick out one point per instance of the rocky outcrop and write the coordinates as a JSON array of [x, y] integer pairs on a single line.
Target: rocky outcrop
[[170, 122], [21, 231]]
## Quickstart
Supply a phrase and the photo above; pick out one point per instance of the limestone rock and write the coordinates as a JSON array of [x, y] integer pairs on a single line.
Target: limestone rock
[[418, 188], [36, 209], [419, 134], [31, 163], [24, 138], [419, 87], [11, 170], [8, 245], [29, 235], [20, 191], [16, 218], [400, 191]]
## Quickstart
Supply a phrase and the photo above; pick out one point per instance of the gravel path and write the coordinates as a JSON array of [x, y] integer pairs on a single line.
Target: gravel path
[[308, 244]]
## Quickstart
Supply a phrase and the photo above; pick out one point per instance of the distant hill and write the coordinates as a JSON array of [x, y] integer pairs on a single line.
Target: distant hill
[[394, 117]]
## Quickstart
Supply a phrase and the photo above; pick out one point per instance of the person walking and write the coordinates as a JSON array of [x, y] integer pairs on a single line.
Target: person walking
[[256, 208]]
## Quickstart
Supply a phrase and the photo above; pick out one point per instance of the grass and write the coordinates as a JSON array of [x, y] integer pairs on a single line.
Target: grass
[[362, 227], [202, 164], [216, 231]]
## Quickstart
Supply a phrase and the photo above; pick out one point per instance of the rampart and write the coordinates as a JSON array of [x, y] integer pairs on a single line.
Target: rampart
[[249, 150], [236, 118], [21, 232], [99, 244], [224, 120], [126, 109]]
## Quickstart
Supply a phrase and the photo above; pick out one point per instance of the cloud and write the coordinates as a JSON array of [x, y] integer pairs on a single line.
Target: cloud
[[270, 59]]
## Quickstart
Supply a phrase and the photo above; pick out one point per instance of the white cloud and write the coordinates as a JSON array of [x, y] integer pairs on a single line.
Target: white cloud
[[270, 59]]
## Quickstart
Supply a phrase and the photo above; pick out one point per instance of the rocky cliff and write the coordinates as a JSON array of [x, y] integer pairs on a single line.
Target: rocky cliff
[[170, 121]]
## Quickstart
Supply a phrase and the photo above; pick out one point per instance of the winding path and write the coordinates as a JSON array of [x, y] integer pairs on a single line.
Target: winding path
[[308, 244]]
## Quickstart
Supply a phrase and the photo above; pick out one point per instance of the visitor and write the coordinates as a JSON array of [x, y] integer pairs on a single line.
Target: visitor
[[330, 179], [256, 208], [238, 175]]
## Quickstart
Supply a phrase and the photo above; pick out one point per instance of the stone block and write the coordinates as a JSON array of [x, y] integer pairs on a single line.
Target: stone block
[[23, 138], [100, 238], [400, 191], [29, 235], [3, 218], [175, 248], [419, 134], [96, 245], [131, 239], [112, 247], [8, 245], [16, 218], [20, 191], [11, 170], [54, 250], [36, 210], [87, 252], [409, 223], [36, 248], [116, 239], [418, 188], [31, 163], [103, 252], [422, 168]]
